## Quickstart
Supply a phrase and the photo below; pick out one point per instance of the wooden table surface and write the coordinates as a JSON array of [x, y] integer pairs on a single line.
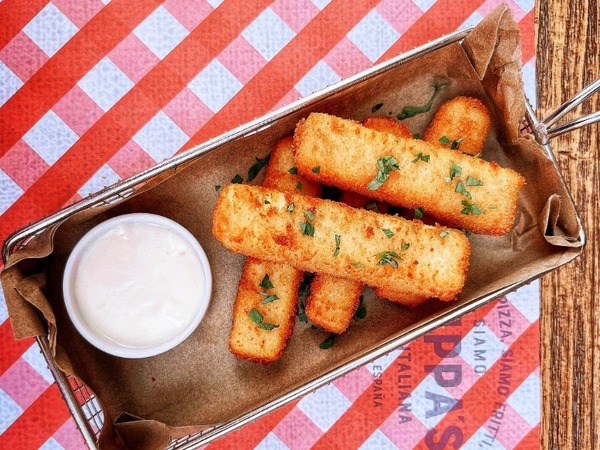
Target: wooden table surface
[[568, 58]]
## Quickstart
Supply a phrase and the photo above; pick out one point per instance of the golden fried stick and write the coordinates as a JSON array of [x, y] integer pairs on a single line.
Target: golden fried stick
[[462, 123], [259, 330], [247, 339], [333, 301], [281, 172], [323, 236], [454, 187]]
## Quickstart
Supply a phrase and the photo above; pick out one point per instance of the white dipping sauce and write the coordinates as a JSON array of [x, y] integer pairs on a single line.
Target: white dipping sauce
[[138, 284]]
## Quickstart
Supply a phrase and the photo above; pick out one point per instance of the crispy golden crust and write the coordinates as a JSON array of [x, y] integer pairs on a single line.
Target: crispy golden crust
[[431, 261], [463, 118], [332, 302], [246, 339], [387, 125], [348, 153], [278, 174]]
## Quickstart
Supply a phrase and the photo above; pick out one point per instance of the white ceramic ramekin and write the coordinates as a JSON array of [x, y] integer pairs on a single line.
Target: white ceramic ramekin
[[98, 339]]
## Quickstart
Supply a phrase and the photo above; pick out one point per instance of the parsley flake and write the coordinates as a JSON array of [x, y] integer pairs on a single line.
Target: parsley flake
[[290, 208], [478, 155], [328, 342], [422, 157], [237, 180], [387, 232], [388, 257], [418, 213], [316, 169], [361, 311], [268, 298], [309, 215], [460, 187], [298, 185], [444, 233], [266, 282], [404, 246], [416, 136], [386, 165], [338, 239], [293, 170], [217, 187], [257, 318], [470, 209], [257, 167], [307, 229], [444, 140], [455, 171], [411, 111], [358, 264], [473, 181], [456, 143]]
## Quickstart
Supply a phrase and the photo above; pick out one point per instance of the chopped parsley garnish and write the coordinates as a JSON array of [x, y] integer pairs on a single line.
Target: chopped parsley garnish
[[303, 293], [328, 342], [266, 282], [257, 318], [361, 311], [307, 228], [358, 264], [456, 143], [338, 239], [460, 187], [471, 209], [376, 107], [411, 111], [309, 215], [422, 157], [237, 180], [217, 187], [404, 246], [257, 167], [298, 185], [416, 136], [444, 233], [290, 208], [466, 232], [418, 214], [473, 181], [268, 298], [388, 257], [267, 202], [444, 140], [293, 170], [316, 169], [478, 155], [455, 171], [387, 232], [386, 165]]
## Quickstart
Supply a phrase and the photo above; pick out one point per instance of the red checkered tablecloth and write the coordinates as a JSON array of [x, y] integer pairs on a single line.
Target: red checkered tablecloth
[[94, 91]]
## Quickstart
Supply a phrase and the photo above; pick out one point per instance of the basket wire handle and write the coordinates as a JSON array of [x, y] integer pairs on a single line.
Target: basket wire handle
[[545, 129]]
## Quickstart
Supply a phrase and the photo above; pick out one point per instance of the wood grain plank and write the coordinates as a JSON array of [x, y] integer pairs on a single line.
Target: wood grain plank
[[567, 59]]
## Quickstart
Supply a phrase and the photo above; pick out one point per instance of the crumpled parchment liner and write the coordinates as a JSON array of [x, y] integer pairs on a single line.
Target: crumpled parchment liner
[[199, 383]]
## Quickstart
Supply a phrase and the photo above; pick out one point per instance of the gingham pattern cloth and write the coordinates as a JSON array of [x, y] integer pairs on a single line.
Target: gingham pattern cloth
[[94, 91]]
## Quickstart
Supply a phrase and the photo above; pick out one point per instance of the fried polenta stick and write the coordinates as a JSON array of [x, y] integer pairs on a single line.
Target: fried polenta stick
[[323, 236], [254, 340], [462, 124], [333, 301], [455, 188]]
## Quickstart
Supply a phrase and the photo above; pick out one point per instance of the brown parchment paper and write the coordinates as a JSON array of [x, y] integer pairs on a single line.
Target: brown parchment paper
[[199, 383]]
